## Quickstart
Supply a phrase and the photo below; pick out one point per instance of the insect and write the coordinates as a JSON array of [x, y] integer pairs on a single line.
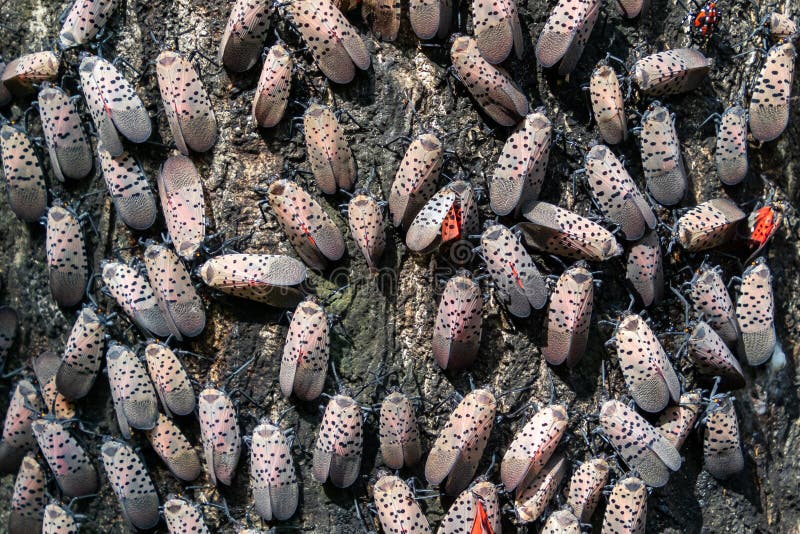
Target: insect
[[671, 72], [398, 511], [722, 452], [460, 444], [73, 471], [617, 195], [533, 445], [180, 189], [497, 29], [18, 438], [457, 330], [520, 170], [399, 435], [568, 317], [84, 20], [415, 181], [586, 486], [708, 225], [306, 351], [132, 391], [272, 474], [177, 298], [769, 103], [328, 150], [731, 150], [710, 299], [181, 516], [627, 507], [131, 483], [450, 215], [66, 256], [25, 185], [133, 293], [518, 283], [639, 444], [129, 190], [114, 105], [705, 20], [755, 313], [170, 380], [27, 500], [365, 218], [555, 230], [316, 239], [69, 149], [219, 431], [333, 41], [58, 520], [82, 357], [677, 422], [186, 103], [271, 279], [711, 357], [762, 225], [535, 491], [383, 16], [496, 94], [174, 449], [608, 106], [644, 269], [565, 34], [661, 156], [244, 34], [20, 75], [476, 510], [781, 28], [45, 366], [561, 522], [339, 445], [431, 18], [274, 86]]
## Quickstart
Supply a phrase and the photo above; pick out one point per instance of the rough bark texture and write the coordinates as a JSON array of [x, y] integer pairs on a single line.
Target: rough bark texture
[[389, 319]]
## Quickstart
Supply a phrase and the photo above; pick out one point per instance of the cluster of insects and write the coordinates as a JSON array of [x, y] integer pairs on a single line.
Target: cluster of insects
[[44, 444]]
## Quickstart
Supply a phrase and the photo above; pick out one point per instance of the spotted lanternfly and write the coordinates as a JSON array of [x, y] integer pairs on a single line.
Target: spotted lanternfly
[[272, 474], [561, 522], [722, 452], [397, 509], [174, 449], [492, 89], [127, 185], [114, 105], [706, 20], [518, 283], [645, 270], [632, 8], [17, 436], [73, 471], [761, 226], [415, 181], [457, 331], [334, 42], [608, 106], [497, 29], [617, 195], [338, 450], [449, 216], [365, 218], [399, 435], [316, 239], [677, 422], [134, 295], [711, 357], [661, 156], [460, 444], [27, 501], [132, 391], [59, 520], [84, 20], [5, 94], [66, 256], [708, 225], [711, 300], [555, 230], [476, 510], [755, 313], [671, 72], [328, 150], [535, 491], [219, 431], [21, 74], [570, 58], [383, 16], [131, 483], [186, 103], [271, 279], [639, 444], [306, 351], [533, 446], [568, 317], [170, 379], [244, 34], [585, 487], [519, 174], [181, 516], [274, 86], [627, 507], [25, 185], [83, 356], [180, 189], [9, 321], [731, 151], [769, 104], [45, 366], [177, 298], [431, 18], [566, 31], [69, 149]]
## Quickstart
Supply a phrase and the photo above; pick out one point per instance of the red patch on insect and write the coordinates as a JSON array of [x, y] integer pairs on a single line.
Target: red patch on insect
[[707, 19], [451, 227], [516, 275], [763, 225], [481, 524]]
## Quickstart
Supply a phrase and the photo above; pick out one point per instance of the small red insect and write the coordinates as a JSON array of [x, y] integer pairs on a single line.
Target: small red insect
[[706, 20]]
